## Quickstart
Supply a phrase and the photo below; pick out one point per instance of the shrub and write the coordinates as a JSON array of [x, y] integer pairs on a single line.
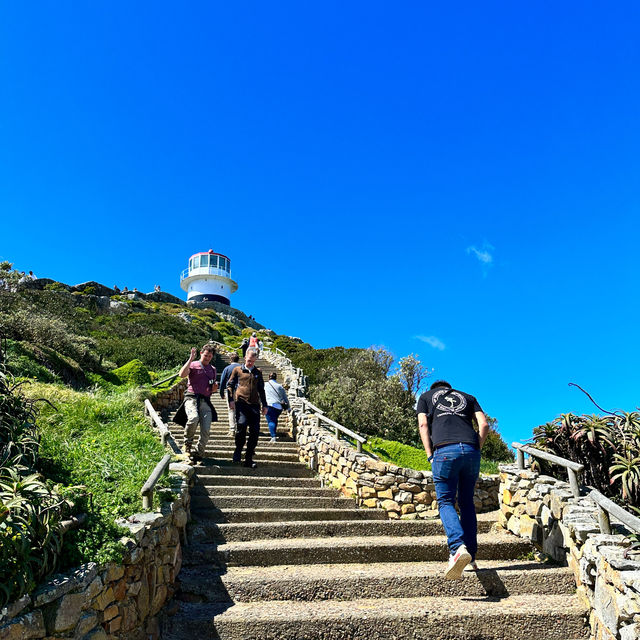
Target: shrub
[[155, 351], [133, 372], [30, 511], [227, 329]]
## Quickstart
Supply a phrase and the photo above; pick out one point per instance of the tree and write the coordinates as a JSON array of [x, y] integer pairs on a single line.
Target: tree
[[412, 374]]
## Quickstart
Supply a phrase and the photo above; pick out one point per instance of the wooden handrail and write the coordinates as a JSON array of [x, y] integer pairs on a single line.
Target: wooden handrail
[[336, 426], [606, 507], [163, 430], [147, 489], [573, 468], [157, 384]]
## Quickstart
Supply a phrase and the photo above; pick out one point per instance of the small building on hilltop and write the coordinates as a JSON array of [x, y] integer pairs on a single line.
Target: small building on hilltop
[[208, 278]]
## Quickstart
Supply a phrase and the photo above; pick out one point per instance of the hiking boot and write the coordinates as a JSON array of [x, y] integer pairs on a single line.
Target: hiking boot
[[457, 562], [250, 464]]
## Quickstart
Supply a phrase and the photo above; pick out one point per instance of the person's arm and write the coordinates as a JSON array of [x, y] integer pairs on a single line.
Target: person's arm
[[483, 427], [215, 381], [233, 383], [184, 372], [223, 381], [263, 395], [425, 436]]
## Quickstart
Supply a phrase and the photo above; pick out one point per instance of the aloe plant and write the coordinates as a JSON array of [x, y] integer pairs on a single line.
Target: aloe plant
[[607, 445], [30, 511]]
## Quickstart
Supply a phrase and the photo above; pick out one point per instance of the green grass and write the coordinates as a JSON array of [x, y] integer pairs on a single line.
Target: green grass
[[102, 442], [410, 457]]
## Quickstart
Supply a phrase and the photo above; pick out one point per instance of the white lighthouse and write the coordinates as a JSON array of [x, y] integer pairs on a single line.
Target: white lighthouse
[[208, 278]]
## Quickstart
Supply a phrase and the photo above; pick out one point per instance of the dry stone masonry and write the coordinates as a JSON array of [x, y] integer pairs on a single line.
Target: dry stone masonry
[[407, 494], [118, 600], [403, 493], [543, 509]]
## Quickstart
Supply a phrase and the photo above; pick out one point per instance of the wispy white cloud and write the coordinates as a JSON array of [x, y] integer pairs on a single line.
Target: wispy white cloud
[[484, 255], [432, 341]]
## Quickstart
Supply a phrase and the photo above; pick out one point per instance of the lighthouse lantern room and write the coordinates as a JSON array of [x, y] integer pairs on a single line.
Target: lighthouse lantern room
[[208, 278]]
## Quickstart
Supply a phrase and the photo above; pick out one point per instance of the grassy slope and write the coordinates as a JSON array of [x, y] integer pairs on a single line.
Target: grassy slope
[[404, 455], [103, 442]]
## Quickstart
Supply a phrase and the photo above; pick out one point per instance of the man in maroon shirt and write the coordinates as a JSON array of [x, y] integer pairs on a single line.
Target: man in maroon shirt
[[197, 400]]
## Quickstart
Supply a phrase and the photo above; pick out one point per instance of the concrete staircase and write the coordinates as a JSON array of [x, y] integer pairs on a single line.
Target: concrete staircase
[[275, 555]]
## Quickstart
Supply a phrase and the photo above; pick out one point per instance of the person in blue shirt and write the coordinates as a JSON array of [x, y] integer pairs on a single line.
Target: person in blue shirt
[[224, 392]]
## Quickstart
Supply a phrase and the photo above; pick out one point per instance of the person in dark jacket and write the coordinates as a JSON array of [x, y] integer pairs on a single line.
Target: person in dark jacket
[[247, 384], [225, 391], [445, 420]]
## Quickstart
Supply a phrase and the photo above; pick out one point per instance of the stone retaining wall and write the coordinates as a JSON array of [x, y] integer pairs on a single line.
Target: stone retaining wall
[[170, 398], [543, 510], [117, 600], [403, 493]]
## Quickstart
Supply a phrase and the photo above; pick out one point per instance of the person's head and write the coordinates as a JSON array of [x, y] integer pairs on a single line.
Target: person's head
[[254, 334], [235, 357], [440, 383], [250, 357], [206, 353], [273, 376]]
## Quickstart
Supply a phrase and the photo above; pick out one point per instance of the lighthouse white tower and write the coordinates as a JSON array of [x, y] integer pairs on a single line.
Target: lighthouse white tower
[[208, 278]]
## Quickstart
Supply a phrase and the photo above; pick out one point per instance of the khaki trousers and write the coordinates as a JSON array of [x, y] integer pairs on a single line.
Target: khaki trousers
[[193, 418]]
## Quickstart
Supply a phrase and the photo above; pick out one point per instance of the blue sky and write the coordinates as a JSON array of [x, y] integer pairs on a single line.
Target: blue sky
[[459, 181]]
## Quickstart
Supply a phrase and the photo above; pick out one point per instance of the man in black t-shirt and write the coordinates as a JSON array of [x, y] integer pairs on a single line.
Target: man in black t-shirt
[[445, 420]]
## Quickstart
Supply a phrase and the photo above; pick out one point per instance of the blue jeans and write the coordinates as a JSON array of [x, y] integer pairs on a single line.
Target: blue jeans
[[455, 471], [272, 419]]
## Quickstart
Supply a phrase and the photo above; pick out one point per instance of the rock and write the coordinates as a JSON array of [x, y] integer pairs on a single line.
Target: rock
[[86, 623], [28, 626], [408, 508], [65, 614], [403, 497], [14, 608], [605, 604], [390, 505], [387, 494], [630, 632]]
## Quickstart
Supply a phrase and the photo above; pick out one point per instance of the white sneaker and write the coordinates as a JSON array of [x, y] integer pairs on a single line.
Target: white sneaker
[[272, 441], [472, 566], [457, 562]]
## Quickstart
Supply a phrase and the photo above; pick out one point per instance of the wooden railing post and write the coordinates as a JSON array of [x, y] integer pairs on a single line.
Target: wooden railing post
[[520, 456]]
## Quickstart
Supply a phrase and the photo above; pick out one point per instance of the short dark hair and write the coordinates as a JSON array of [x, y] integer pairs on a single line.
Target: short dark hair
[[273, 375], [208, 347], [440, 383], [235, 357]]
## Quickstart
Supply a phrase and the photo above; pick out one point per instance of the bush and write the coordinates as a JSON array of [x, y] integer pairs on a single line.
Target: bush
[[133, 372], [30, 511], [155, 351]]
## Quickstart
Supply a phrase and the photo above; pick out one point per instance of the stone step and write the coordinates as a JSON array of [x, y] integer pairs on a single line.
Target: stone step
[[525, 617], [496, 578], [237, 532], [339, 550], [243, 501], [253, 481], [253, 491], [278, 469], [284, 515], [228, 443], [261, 454]]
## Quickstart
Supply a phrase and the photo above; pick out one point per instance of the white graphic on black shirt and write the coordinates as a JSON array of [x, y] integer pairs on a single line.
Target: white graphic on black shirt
[[452, 402]]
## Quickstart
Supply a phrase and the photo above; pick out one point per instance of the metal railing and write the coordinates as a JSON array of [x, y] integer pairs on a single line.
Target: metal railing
[[573, 468], [205, 271], [337, 428]]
